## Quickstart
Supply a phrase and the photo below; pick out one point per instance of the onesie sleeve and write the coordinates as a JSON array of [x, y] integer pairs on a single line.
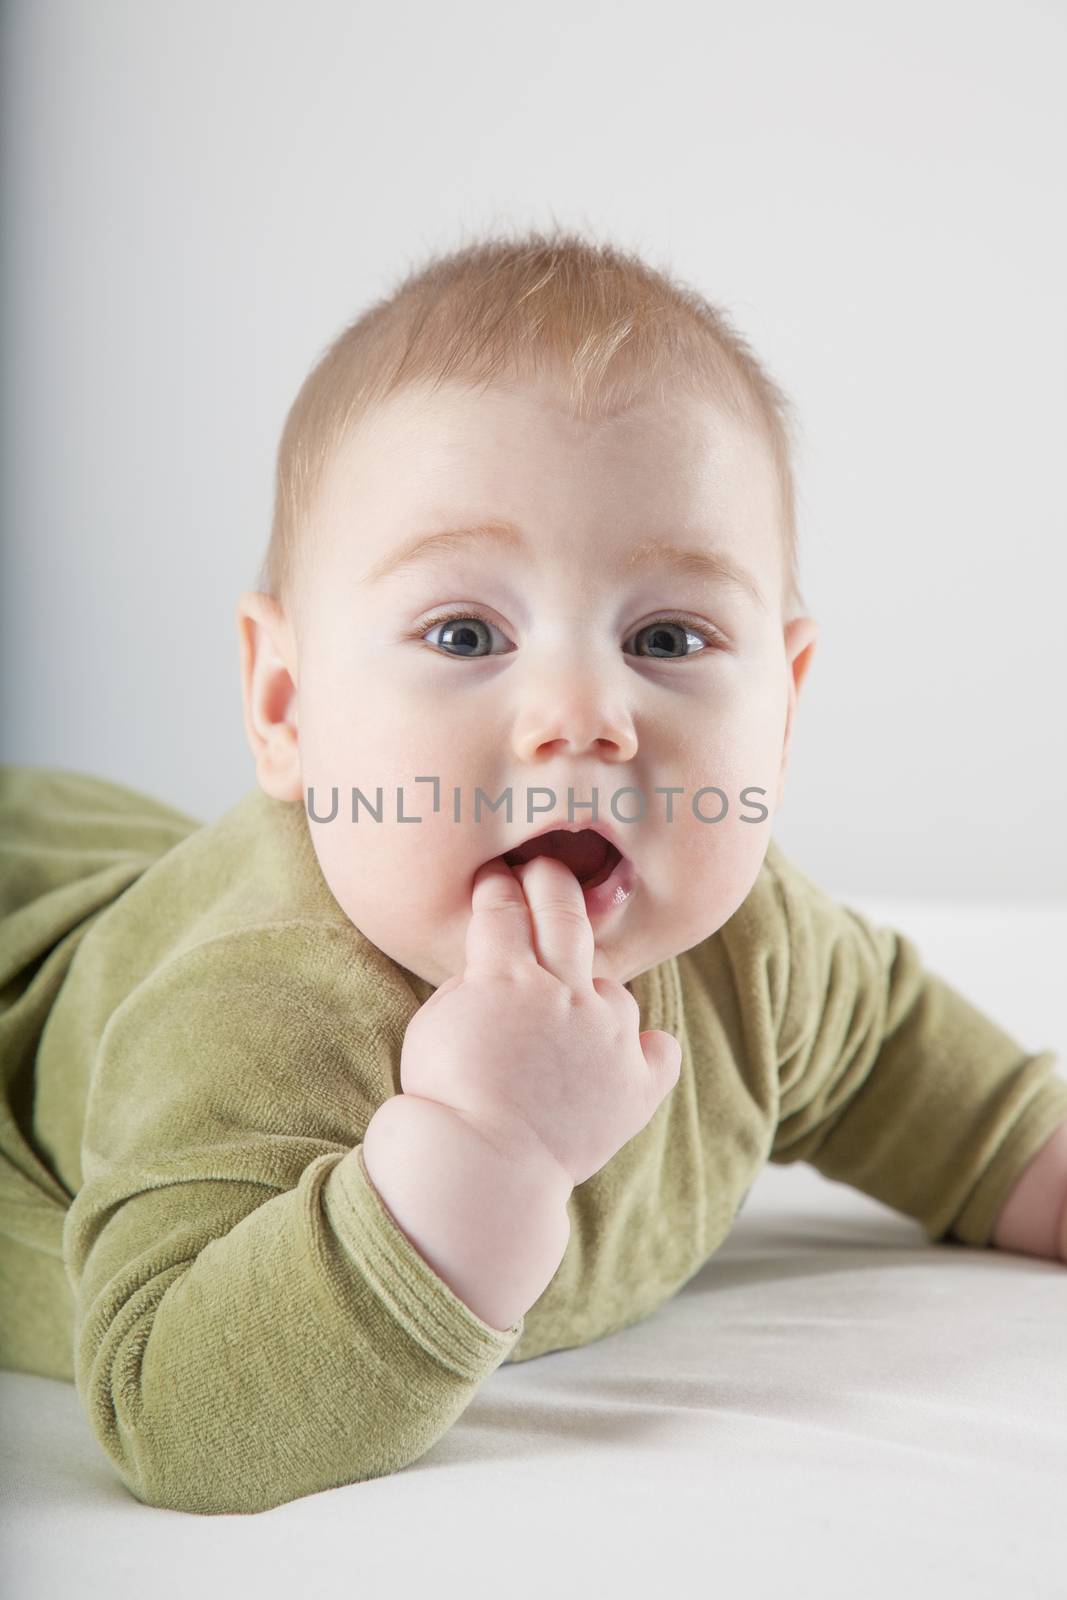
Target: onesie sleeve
[[893, 1081], [251, 1325]]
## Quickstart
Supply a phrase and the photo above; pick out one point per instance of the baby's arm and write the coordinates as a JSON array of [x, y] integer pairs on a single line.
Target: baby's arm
[[251, 1325], [1033, 1219], [895, 1082]]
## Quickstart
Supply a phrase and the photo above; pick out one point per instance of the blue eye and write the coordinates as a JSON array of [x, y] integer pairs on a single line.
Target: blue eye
[[464, 632], [665, 633]]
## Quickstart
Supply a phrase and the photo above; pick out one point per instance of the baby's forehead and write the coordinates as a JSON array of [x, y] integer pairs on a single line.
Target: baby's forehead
[[485, 441], [674, 467]]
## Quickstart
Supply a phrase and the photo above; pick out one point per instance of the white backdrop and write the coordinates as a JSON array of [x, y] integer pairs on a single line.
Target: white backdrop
[[197, 198]]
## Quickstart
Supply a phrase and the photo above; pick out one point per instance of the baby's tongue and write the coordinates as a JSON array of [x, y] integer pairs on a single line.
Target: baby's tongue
[[585, 852]]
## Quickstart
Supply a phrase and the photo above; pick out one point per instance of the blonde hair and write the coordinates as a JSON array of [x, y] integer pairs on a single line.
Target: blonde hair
[[502, 308]]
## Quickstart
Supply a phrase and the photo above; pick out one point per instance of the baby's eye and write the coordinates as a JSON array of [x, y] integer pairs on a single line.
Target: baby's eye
[[663, 636], [462, 634]]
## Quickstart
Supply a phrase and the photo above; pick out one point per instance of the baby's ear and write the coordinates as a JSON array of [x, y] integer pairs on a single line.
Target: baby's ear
[[268, 688], [800, 638]]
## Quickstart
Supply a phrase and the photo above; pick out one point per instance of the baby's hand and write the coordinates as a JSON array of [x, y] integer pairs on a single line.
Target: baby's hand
[[528, 1046]]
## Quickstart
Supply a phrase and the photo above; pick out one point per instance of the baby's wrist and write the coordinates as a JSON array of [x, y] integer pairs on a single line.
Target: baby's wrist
[[492, 1222], [516, 1143]]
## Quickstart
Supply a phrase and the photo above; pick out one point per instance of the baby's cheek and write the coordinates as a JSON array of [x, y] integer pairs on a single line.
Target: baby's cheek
[[717, 869]]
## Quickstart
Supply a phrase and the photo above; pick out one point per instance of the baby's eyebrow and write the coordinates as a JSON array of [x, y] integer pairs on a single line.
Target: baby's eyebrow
[[696, 561]]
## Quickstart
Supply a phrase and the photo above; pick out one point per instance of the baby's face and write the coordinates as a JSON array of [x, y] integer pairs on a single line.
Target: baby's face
[[566, 671]]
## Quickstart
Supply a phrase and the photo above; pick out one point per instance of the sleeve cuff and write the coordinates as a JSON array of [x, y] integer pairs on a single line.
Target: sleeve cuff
[[1039, 1119], [417, 1299]]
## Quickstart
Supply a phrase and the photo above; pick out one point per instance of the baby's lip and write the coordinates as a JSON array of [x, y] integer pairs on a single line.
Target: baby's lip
[[606, 831]]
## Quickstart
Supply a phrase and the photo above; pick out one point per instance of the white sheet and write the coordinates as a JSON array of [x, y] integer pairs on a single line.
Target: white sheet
[[831, 1407]]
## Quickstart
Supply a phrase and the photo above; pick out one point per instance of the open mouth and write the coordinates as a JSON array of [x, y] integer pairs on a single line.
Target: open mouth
[[590, 856], [607, 876]]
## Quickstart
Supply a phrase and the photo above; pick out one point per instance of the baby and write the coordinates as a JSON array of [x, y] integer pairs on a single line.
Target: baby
[[462, 1036]]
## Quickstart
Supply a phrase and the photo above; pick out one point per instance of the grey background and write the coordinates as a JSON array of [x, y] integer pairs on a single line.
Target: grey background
[[197, 198]]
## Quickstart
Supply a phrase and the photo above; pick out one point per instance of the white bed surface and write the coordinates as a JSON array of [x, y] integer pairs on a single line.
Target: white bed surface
[[831, 1407]]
